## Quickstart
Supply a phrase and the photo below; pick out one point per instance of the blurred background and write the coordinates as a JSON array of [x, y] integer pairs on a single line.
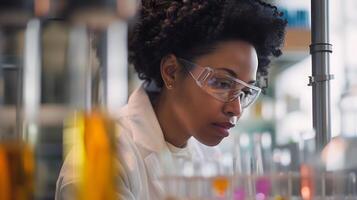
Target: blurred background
[[54, 35]]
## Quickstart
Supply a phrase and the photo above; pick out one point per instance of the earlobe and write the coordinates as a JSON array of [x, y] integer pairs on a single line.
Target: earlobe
[[169, 87]]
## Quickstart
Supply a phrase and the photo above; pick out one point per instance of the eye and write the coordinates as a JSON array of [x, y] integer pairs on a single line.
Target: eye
[[243, 94], [247, 92], [220, 83]]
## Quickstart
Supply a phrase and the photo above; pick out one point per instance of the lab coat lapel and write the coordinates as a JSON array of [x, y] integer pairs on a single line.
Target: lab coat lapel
[[147, 133], [145, 126]]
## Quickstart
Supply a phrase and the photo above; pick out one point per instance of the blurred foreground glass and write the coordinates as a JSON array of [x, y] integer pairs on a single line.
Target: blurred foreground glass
[[89, 133], [98, 87], [27, 52], [92, 137], [19, 39], [17, 168]]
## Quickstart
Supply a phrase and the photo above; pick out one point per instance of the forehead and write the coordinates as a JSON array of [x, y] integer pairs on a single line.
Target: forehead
[[237, 56]]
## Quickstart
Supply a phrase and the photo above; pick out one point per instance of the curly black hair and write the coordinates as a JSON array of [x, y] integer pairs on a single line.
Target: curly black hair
[[192, 28]]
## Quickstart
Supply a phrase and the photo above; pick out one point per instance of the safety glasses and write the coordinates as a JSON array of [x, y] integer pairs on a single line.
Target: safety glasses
[[220, 84]]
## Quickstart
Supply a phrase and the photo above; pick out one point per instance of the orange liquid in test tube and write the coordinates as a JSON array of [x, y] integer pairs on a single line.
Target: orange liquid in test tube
[[220, 185], [93, 140], [100, 157], [307, 191], [4, 176], [16, 171]]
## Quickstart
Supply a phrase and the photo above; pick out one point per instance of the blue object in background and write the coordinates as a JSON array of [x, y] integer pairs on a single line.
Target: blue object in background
[[297, 18]]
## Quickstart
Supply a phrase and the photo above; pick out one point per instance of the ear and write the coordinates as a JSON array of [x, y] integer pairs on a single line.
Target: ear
[[169, 70]]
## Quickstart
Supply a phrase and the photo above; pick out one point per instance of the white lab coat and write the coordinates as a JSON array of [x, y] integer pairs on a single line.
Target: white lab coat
[[140, 142]]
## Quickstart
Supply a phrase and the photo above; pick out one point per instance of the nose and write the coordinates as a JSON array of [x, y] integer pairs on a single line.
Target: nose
[[233, 108]]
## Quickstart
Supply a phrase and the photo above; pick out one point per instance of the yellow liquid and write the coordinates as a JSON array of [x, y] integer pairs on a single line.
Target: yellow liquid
[[16, 171], [220, 185], [278, 197], [94, 143]]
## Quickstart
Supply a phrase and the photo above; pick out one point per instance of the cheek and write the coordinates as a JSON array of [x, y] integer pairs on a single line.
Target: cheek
[[198, 108]]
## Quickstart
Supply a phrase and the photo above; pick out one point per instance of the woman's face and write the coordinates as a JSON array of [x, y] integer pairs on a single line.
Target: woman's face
[[200, 114]]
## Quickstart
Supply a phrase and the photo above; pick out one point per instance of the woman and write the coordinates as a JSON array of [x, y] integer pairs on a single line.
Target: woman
[[199, 60]]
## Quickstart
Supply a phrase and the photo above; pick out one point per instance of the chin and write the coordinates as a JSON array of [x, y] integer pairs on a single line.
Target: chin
[[210, 143]]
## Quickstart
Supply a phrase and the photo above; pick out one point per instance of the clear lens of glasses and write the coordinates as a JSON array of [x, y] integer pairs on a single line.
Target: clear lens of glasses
[[221, 85]]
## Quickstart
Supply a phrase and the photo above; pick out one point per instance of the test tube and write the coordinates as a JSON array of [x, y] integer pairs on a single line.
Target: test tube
[[282, 179], [351, 187], [243, 183], [262, 179], [307, 182], [221, 186], [212, 178], [190, 187], [308, 177], [209, 170]]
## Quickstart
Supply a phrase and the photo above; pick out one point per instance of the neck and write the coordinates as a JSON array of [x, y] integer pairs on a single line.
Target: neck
[[173, 130]]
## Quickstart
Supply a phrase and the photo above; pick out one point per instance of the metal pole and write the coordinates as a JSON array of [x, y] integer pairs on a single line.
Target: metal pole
[[320, 50]]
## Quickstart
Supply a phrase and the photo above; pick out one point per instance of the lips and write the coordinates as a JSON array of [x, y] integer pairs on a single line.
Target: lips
[[225, 125], [222, 128]]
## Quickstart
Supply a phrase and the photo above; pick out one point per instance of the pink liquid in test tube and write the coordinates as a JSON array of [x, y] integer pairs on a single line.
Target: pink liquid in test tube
[[262, 187], [239, 193]]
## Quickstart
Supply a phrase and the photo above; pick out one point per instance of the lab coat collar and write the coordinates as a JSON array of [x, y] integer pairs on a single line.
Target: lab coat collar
[[146, 129]]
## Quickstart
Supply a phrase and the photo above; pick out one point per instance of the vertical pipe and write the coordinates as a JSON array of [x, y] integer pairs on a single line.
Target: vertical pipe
[[116, 82], [2, 82], [19, 102], [320, 50], [79, 71], [31, 84]]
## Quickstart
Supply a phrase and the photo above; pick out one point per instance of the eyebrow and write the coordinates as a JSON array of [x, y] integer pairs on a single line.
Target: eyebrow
[[231, 72]]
